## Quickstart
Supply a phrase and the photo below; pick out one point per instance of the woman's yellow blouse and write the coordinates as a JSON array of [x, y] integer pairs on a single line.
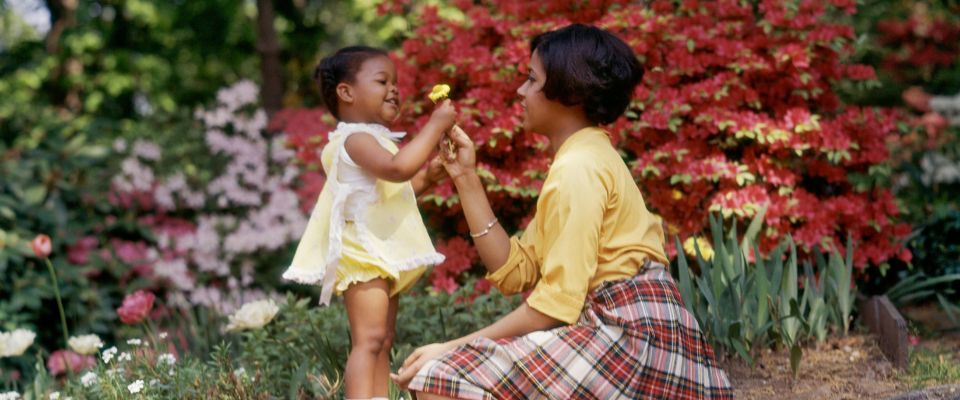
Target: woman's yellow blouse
[[590, 226]]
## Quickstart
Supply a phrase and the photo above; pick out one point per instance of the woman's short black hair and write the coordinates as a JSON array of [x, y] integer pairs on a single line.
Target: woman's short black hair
[[342, 66], [588, 66]]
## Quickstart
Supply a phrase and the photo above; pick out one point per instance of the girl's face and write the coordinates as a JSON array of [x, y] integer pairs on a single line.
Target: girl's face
[[375, 91], [538, 110]]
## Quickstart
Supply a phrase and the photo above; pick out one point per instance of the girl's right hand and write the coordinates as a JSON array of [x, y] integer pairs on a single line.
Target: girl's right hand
[[444, 115]]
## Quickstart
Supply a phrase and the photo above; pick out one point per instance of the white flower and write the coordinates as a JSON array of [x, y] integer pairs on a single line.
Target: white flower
[[88, 379], [135, 387], [240, 372], [253, 315], [154, 382], [86, 344], [167, 359], [134, 342], [108, 355], [120, 145], [10, 396], [163, 335], [146, 150], [14, 343], [124, 357], [55, 396]]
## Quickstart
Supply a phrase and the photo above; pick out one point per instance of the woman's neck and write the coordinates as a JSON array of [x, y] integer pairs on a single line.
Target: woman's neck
[[564, 131]]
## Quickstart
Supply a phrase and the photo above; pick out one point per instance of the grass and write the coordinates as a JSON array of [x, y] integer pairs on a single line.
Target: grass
[[932, 367]]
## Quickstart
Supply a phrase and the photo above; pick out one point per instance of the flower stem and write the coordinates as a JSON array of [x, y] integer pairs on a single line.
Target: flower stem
[[56, 292]]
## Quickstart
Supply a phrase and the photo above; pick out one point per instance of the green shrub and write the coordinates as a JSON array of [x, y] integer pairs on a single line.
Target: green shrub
[[299, 354]]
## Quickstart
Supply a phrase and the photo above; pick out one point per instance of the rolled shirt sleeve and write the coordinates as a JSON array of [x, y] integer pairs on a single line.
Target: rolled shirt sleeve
[[521, 271]]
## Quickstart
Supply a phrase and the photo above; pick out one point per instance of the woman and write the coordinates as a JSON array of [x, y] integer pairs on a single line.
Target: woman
[[604, 319]]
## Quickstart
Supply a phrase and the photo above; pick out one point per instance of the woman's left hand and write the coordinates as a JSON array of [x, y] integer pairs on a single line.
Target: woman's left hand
[[415, 361]]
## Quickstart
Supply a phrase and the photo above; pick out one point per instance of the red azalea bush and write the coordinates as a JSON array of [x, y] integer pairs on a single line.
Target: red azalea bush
[[920, 45], [736, 112]]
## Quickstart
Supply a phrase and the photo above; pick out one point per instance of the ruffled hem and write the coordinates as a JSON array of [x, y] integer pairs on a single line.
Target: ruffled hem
[[301, 275], [307, 277]]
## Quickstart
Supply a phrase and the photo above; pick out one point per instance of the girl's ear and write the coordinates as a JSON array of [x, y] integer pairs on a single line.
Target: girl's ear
[[345, 93]]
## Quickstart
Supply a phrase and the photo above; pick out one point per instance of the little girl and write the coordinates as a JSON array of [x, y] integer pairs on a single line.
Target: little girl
[[365, 238]]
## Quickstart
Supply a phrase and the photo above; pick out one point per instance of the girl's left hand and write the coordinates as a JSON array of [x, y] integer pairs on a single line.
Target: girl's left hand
[[435, 170], [415, 361]]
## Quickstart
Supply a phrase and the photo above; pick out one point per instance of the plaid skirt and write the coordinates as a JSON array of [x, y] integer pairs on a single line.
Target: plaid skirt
[[634, 340]]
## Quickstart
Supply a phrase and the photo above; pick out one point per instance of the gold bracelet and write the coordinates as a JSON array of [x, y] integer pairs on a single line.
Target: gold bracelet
[[485, 230], [453, 178]]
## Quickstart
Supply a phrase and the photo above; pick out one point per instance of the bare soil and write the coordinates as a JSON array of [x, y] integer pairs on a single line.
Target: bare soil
[[842, 368], [851, 367]]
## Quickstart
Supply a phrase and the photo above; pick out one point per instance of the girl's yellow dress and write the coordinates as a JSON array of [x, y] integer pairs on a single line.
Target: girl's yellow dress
[[361, 230]]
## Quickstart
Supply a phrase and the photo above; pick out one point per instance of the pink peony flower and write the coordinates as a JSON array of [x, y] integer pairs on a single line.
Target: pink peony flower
[[79, 252], [57, 364], [41, 246], [136, 307]]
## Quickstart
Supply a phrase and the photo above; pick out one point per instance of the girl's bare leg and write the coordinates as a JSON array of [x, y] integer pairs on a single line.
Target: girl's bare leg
[[381, 376], [367, 306]]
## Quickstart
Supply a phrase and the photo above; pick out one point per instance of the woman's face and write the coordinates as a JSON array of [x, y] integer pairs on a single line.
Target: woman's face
[[375, 90], [536, 107]]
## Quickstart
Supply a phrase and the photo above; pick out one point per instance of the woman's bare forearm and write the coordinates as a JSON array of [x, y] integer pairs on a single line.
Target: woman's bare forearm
[[519, 322], [494, 246]]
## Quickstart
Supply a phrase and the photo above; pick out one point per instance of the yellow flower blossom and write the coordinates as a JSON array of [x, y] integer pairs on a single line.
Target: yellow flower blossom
[[706, 250]]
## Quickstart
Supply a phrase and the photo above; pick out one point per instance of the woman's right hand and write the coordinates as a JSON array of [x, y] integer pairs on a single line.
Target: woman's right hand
[[444, 115], [416, 360], [466, 159]]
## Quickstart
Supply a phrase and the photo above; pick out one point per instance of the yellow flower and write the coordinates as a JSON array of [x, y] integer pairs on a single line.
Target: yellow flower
[[677, 195], [253, 315], [439, 92], [705, 249]]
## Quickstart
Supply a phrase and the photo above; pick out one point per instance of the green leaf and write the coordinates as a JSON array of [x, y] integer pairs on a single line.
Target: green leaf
[[796, 353], [34, 195], [685, 284]]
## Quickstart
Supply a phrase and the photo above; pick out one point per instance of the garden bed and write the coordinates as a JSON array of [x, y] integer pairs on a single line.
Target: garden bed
[[854, 368], [842, 368]]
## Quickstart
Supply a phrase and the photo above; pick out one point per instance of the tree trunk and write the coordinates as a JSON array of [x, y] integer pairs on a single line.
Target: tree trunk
[[268, 46], [63, 14]]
